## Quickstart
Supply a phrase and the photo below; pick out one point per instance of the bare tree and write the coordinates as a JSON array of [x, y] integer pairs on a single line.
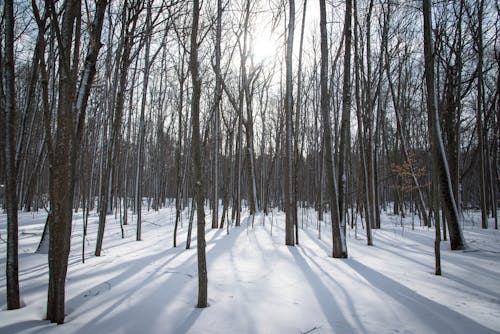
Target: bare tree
[[129, 16], [339, 245], [290, 206], [196, 151], [345, 127], [298, 106], [182, 76], [12, 266], [479, 116], [361, 141], [457, 241], [216, 107], [63, 145]]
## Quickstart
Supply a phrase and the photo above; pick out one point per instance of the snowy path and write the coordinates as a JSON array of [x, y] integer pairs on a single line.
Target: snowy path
[[259, 285]]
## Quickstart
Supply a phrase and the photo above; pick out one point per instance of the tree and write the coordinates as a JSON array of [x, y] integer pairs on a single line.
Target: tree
[[290, 206], [12, 265], [182, 76], [140, 153], [248, 75], [339, 245], [216, 107], [196, 151], [345, 127], [64, 143], [129, 17], [457, 241], [408, 171], [361, 141], [479, 116], [398, 105], [298, 153]]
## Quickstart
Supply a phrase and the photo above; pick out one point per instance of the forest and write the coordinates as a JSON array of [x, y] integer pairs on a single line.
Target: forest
[[250, 115]]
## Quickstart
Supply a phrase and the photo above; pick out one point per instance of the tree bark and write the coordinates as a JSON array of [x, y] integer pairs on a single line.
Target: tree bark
[[178, 153], [140, 151], [457, 241], [361, 142], [479, 119], [290, 207], [218, 96], [197, 168], [345, 123], [339, 245], [12, 265], [63, 148], [298, 109]]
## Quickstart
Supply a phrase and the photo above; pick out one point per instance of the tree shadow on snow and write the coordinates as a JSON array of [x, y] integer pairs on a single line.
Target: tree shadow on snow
[[331, 309], [152, 295], [22, 326], [439, 317]]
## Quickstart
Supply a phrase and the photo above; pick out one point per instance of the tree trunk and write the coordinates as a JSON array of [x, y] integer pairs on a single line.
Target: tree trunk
[[63, 150], [190, 224], [339, 245], [178, 153], [479, 119], [218, 95], [197, 168], [290, 208], [12, 265], [457, 241], [361, 142], [140, 151], [297, 120], [345, 127], [247, 95], [60, 183]]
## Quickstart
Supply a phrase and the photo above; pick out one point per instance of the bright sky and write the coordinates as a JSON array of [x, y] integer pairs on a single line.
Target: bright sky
[[266, 44]]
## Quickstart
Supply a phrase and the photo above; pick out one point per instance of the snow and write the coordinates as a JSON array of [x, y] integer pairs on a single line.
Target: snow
[[257, 284]]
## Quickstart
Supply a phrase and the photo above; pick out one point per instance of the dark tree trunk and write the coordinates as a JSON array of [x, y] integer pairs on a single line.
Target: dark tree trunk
[[297, 121], [197, 168], [142, 125], [447, 199], [178, 152], [290, 206], [361, 142], [218, 95], [339, 246], [12, 265], [479, 118], [64, 145], [345, 127]]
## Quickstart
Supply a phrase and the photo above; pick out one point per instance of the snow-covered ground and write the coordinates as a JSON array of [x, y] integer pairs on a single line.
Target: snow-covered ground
[[259, 285]]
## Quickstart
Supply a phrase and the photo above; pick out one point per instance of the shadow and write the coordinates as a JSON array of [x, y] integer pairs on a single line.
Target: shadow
[[319, 242], [213, 235], [20, 327], [189, 321], [151, 289], [132, 290], [460, 260], [429, 266], [469, 284], [438, 317], [331, 309]]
